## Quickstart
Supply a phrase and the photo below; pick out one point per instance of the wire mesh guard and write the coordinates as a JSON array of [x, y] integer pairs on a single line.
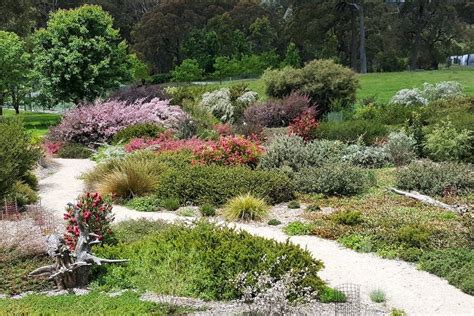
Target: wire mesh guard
[[352, 305]]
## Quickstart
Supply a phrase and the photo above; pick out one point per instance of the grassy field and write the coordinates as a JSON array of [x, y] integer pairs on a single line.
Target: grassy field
[[37, 122], [384, 85]]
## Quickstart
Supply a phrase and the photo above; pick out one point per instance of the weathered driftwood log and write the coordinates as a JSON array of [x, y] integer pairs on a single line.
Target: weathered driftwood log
[[459, 209], [72, 269]]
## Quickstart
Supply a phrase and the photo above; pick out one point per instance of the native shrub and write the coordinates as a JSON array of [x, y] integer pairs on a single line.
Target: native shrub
[[74, 151], [409, 97], [107, 152], [436, 178], [245, 207], [445, 142], [334, 179], [230, 150], [298, 228], [166, 142], [136, 174], [277, 113], [220, 104], [202, 260], [100, 121], [143, 93], [321, 80], [366, 156], [94, 211], [400, 147], [148, 203], [213, 184], [17, 154], [137, 131], [351, 131], [304, 125], [293, 152], [429, 92]]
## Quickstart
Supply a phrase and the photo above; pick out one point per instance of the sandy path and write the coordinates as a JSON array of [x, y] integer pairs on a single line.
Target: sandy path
[[416, 292]]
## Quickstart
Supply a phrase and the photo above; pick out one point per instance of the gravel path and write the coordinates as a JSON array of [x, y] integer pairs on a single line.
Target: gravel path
[[416, 292]]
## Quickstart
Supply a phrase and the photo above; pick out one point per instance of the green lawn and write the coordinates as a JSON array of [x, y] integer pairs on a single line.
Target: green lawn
[[384, 85], [37, 122]]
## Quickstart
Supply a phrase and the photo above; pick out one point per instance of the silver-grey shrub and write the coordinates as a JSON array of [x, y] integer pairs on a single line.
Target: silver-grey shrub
[[366, 156], [291, 151], [334, 179], [400, 147]]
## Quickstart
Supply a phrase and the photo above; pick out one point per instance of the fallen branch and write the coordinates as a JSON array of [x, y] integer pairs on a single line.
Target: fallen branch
[[459, 209]]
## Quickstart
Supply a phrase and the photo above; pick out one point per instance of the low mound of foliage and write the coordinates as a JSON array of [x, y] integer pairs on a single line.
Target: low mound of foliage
[[200, 261]]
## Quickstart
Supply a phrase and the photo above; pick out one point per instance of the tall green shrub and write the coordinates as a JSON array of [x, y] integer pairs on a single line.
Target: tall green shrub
[[17, 154]]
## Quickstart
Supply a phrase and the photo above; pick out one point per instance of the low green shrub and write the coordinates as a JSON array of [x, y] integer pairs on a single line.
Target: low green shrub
[[366, 156], [352, 131], [294, 204], [436, 178], [454, 265], [397, 312], [207, 210], [107, 152], [170, 203], [413, 235], [350, 218], [357, 242], [199, 261], [74, 151], [23, 194], [186, 212], [334, 179], [330, 295], [125, 304], [377, 296], [137, 131], [274, 222], [245, 207], [148, 203], [298, 228], [212, 184], [445, 142], [14, 266], [457, 110]]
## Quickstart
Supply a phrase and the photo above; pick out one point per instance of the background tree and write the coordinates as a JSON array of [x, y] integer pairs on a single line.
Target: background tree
[[292, 57], [188, 71], [80, 56], [14, 68]]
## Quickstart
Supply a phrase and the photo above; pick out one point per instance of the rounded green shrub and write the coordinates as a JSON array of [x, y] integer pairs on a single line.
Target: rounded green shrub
[[274, 222], [322, 80], [137, 131], [245, 207], [170, 203], [74, 151], [149, 203], [298, 228], [445, 142], [207, 210], [199, 184], [23, 194], [434, 178], [294, 204], [334, 179]]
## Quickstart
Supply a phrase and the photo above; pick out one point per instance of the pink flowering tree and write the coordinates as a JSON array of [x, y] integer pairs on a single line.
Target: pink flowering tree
[[100, 121]]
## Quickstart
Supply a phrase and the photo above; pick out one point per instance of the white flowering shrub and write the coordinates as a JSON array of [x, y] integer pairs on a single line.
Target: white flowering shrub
[[409, 97], [247, 98], [220, 104], [430, 92], [442, 90], [400, 147]]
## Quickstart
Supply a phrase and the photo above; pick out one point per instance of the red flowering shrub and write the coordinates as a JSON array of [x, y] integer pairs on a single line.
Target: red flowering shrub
[[51, 148], [304, 125], [165, 142], [223, 129], [92, 210], [231, 150]]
